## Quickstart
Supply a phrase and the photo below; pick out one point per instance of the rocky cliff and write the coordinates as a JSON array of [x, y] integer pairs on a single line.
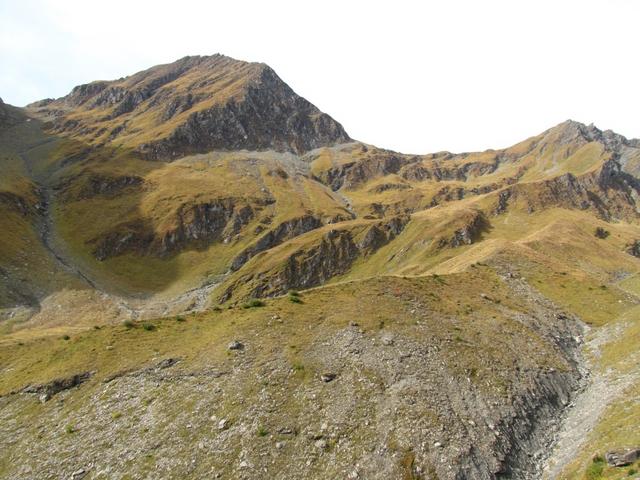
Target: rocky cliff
[[196, 104]]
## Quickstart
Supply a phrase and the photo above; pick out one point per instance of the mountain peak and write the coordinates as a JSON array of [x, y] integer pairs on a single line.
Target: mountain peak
[[195, 104], [571, 131]]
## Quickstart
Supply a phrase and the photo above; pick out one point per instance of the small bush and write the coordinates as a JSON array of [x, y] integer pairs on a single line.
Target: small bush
[[180, 318], [594, 471], [295, 299], [253, 303], [262, 432], [631, 471], [294, 293], [298, 367], [96, 327], [128, 324], [601, 233], [116, 415], [66, 337], [69, 429], [216, 309], [149, 327], [439, 279]]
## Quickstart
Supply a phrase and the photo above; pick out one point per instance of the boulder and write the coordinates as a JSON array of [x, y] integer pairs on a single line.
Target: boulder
[[621, 458]]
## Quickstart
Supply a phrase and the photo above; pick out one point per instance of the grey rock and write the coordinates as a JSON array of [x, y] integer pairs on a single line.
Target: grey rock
[[321, 444], [621, 458], [235, 345], [78, 474], [328, 377]]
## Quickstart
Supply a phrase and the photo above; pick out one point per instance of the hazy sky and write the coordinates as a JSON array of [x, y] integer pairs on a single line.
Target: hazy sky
[[415, 76]]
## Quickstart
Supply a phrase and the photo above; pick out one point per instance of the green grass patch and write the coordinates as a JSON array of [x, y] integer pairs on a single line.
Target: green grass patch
[[253, 303]]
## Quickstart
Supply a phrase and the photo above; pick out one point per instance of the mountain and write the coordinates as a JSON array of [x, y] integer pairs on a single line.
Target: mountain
[[194, 105], [204, 276]]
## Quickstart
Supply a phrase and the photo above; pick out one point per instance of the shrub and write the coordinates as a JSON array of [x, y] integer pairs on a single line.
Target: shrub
[[262, 432], [180, 318], [294, 293], [96, 327], [66, 337], [253, 303], [69, 429], [601, 233], [439, 279], [128, 324], [149, 327], [594, 471], [298, 367], [295, 299], [116, 415], [631, 471]]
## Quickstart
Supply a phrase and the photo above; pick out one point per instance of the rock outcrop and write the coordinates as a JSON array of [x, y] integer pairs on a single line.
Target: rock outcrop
[[196, 104], [47, 390], [622, 458], [609, 192], [284, 231], [329, 255], [194, 225]]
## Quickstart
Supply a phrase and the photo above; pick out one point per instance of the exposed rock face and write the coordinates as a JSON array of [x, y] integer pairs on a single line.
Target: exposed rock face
[[105, 185], [48, 390], [332, 255], [382, 233], [195, 225], [609, 191], [269, 117], [197, 104], [634, 249], [473, 226], [355, 173], [413, 168], [390, 186], [18, 203], [282, 232]]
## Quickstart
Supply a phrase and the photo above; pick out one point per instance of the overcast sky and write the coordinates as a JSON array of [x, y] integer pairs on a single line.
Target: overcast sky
[[412, 76]]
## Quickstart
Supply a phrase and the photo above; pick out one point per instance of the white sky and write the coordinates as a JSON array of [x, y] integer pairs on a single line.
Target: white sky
[[413, 76]]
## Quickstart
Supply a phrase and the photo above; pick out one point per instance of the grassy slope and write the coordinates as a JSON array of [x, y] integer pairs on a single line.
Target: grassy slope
[[443, 311], [247, 177], [30, 269], [39, 360], [209, 86], [618, 426]]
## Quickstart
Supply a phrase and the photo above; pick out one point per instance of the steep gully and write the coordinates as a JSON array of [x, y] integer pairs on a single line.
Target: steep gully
[[601, 388]]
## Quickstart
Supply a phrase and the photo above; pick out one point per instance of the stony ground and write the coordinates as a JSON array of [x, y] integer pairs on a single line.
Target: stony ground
[[395, 385]]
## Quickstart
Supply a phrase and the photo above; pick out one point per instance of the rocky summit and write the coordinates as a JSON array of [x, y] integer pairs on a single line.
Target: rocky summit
[[203, 276]]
